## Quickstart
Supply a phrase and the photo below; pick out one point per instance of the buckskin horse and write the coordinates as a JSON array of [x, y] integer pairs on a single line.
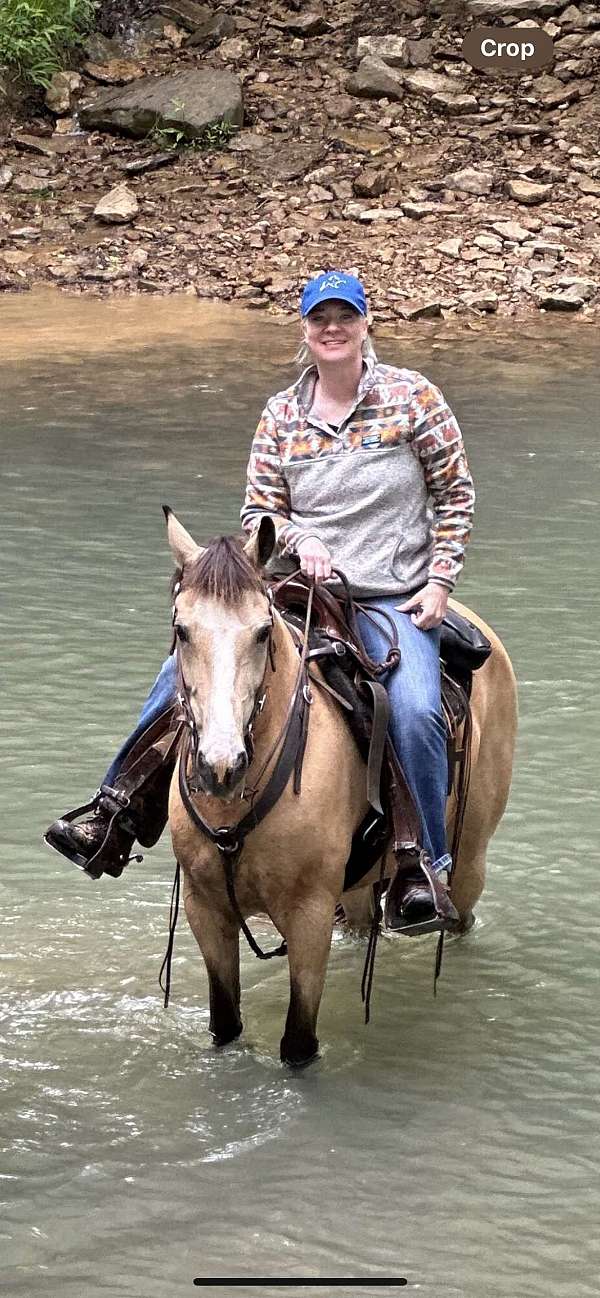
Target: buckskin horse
[[264, 804]]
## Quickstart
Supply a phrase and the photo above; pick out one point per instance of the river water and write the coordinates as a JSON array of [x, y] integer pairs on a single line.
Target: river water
[[452, 1142]]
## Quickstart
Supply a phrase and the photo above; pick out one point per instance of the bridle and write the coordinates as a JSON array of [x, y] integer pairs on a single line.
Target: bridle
[[289, 746]]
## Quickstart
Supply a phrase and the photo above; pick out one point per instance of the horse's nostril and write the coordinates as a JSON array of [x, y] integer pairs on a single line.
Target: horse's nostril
[[236, 771]]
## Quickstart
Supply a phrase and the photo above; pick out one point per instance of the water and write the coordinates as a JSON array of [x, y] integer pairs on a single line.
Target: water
[[452, 1142]]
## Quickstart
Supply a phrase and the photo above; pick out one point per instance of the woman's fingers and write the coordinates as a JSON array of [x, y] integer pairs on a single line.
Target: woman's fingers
[[315, 559]]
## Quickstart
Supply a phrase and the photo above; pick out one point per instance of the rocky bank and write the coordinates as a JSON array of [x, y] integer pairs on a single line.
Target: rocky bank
[[356, 136]]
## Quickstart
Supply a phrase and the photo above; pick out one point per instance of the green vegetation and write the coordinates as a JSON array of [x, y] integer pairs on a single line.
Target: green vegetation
[[35, 35], [174, 137]]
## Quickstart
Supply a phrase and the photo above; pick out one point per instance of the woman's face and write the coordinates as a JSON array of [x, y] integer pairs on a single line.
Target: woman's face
[[335, 331]]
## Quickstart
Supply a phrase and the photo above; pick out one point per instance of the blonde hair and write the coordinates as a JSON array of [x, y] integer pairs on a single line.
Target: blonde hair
[[304, 355]]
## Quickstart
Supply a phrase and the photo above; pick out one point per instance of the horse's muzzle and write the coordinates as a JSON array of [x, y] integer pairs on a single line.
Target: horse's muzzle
[[220, 781]]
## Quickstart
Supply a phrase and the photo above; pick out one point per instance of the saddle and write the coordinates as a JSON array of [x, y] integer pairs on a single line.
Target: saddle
[[352, 678]]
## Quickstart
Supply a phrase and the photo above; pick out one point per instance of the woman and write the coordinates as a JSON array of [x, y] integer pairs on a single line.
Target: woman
[[360, 465]]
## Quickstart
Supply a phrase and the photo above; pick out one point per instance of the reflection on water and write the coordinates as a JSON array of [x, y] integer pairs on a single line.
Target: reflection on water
[[453, 1141]]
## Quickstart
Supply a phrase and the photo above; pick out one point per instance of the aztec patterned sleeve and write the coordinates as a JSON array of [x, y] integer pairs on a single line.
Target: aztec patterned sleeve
[[266, 487], [437, 440]]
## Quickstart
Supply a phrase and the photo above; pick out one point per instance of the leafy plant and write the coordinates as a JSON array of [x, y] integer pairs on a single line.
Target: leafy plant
[[35, 35], [175, 137]]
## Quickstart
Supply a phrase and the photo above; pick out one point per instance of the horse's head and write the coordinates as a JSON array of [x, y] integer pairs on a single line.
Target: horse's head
[[223, 621]]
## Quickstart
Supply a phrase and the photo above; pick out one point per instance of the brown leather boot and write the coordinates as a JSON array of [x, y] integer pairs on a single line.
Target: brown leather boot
[[417, 900], [135, 808], [101, 844]]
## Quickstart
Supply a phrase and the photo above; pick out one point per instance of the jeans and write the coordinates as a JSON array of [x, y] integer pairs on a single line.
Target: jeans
[[161, 696], [417, 727]]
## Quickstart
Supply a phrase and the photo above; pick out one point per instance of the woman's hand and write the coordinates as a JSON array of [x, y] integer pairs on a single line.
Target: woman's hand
[[430, 605], [315, 559]]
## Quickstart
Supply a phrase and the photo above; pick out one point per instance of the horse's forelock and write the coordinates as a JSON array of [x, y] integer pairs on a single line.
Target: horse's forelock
[[222, 570]]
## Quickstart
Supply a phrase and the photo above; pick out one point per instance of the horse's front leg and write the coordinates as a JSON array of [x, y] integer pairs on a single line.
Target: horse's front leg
[[217, 935], [307, 927]]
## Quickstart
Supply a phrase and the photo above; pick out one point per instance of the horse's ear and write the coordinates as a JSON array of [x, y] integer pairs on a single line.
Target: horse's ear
[[262, 542], [183, 546]]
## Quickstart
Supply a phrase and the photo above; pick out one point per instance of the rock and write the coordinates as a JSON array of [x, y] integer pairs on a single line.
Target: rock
[[568, 44], [374, 79], [234, 49], [308, 24], [6, 175], [364, 140], [26, 184], [454, 105], [99, 49], [588, 185], [572, 19], [16, 257], [470, 181], [25, 232], [427, 310], [391, 49], [340, 107], [550, 92], [585, 288], [186, 13], [590, 165], [67, 126], [420, 53], [540, 248], [552, 300], [117, 72], [248, 142], [381, 214], [528, 192], [525, 128], [191, 101], [117, 207], [290, 160], [514, 8], [47, 146], [62, 90], [481, 300], [218, 28], [510, 231], [450, 248], [139, 166], [370, 183], [175, 36], [318, 194], [418, 211], [488, 242], [428, 84]]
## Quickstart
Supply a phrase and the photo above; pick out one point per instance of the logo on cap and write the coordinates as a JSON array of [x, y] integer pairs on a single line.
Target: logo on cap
[[334, 281]]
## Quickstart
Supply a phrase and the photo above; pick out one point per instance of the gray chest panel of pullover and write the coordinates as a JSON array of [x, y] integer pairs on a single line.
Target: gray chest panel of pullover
[[370, 508]]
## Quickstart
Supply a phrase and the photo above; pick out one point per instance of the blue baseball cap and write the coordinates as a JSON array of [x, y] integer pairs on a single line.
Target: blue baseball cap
[[333, 284]]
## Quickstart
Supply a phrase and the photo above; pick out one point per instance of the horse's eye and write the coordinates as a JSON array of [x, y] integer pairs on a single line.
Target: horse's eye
[[181, 632], [263, 634]]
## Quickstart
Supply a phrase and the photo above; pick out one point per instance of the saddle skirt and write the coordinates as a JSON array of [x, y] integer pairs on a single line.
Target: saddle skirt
[[336, 646]]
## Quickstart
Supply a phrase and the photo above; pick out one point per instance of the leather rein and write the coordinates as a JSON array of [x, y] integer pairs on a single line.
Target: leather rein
[[289, 744]]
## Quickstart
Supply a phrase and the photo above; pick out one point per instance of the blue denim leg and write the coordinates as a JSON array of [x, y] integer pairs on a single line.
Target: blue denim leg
[[160, 697], [417, 727]]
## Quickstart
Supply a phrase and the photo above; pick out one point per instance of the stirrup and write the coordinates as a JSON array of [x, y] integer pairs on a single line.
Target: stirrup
[[445, 916], [116, 803]]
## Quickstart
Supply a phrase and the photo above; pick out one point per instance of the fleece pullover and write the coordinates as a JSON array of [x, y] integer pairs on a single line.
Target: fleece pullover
[[389, 493]]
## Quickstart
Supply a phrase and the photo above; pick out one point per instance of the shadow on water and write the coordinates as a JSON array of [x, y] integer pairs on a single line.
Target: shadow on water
[[452, 1141]]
